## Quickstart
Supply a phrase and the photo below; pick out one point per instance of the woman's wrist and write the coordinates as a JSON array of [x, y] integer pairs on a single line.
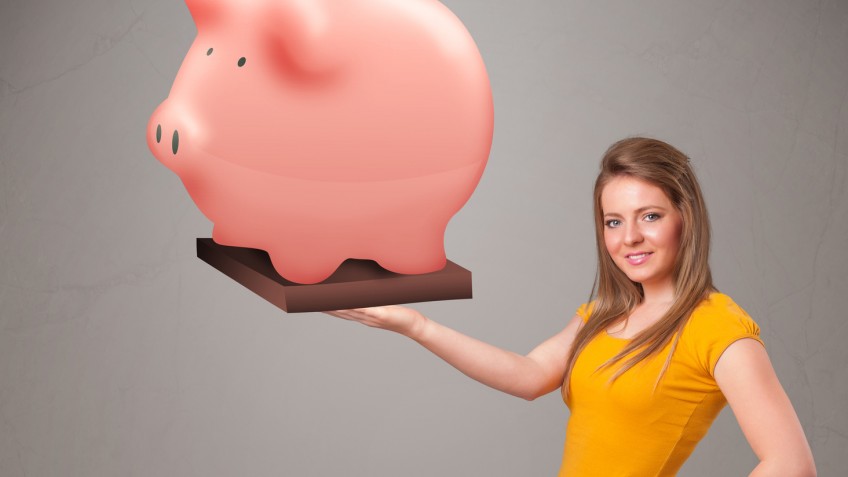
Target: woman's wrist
[[418, 328]]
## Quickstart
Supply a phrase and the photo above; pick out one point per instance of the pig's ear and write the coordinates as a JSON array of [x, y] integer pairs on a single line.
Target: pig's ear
[[204, 11], [299, 34]]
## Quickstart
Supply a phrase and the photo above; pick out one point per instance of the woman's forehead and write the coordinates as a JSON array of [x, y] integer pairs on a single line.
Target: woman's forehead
[[626, 194]]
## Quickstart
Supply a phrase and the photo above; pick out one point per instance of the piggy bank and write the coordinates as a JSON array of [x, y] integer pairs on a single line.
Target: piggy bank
[[322, 130]]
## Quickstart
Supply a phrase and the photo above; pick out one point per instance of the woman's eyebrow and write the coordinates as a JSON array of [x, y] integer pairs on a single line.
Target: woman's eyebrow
[[637, 211], [657, 207]]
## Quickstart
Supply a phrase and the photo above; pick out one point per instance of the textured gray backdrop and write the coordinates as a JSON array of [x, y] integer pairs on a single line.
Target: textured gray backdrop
[[121, 353]]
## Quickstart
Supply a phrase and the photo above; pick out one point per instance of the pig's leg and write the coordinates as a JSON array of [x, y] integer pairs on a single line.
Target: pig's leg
[[303, 254], [226, 236], [302, 267], [413, 248], [301, 261]]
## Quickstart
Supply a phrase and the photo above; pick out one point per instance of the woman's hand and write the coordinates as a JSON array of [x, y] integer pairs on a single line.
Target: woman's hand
[[405, 321]]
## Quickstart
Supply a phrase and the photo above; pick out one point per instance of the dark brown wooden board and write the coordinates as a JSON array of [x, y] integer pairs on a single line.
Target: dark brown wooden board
[[355, 284]]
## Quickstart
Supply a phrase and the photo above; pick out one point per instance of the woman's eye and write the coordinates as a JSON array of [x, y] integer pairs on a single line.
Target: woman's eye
[[613, 223], [652, 217]]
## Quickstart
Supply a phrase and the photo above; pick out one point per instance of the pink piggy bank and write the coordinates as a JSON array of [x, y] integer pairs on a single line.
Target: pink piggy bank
[[322, 130]]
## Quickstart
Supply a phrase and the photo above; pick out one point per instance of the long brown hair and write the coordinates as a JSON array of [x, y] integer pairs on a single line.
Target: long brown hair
[[615, 296]]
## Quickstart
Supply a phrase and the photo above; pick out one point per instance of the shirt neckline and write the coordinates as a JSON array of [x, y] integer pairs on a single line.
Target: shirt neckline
[[618, 338]]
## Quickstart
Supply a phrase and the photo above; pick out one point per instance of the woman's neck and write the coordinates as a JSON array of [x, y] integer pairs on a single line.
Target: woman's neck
[[657, 294]]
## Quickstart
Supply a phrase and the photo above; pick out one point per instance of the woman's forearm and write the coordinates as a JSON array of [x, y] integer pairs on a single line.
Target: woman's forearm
[[503, 370], [527, 377]]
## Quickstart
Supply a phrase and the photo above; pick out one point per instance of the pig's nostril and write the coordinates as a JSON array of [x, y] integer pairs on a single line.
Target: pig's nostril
[[158, 133], [241, 61], [209, 52], [175, 142]]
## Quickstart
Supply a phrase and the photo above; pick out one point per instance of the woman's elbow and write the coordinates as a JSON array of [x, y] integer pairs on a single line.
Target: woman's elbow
[[531, 394], [806, 466], [805, 471], [809, 470], [796, 468]]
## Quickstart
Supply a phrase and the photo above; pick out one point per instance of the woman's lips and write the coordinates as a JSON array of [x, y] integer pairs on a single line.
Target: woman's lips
[[638, 258]]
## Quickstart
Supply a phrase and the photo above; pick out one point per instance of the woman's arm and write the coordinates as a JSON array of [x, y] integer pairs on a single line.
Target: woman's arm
[[746, 377], [527, 377]]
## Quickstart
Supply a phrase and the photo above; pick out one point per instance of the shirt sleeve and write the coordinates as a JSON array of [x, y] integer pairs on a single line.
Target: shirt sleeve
[[585, 310], [717, 326]]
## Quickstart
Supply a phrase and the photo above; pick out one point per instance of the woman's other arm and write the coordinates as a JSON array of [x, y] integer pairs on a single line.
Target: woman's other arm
[[527, 377], [746, 377]]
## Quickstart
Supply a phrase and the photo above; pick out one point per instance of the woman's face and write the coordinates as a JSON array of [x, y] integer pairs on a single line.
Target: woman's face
[[641, 230]]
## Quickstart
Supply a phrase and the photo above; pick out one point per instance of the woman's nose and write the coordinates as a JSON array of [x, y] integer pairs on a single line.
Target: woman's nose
[[632, 235]]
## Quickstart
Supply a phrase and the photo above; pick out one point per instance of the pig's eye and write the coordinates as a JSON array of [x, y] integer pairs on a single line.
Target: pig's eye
[[209, 52], [241, 62]]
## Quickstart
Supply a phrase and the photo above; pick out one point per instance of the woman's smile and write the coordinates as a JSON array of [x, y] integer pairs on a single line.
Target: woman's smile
[[637, 258]]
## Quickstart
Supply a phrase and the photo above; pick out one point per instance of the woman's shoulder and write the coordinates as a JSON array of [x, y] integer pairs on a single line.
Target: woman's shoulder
[[585, 310], [715, 324], [719, 311]]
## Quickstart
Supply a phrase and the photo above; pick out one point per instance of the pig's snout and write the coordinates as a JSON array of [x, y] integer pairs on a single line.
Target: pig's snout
[[167, 133], [175, 138]]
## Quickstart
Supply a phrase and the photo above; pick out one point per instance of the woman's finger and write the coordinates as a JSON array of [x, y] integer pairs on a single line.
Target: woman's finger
[[337, 314], [353, 315]]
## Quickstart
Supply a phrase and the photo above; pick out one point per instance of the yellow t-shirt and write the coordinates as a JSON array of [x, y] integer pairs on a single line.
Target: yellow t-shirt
[[622, 429]]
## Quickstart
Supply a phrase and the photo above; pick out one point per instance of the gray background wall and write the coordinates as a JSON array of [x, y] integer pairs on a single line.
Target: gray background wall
[[121, 353]]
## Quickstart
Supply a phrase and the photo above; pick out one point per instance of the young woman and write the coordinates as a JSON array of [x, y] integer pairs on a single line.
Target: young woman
[[647, 365]]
